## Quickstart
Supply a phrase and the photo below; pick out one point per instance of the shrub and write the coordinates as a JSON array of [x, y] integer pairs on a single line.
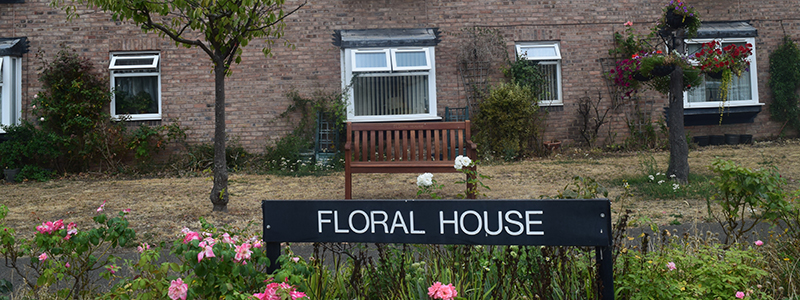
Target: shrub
[[508, 123], [71, 106], [685, 270], [743, 194]]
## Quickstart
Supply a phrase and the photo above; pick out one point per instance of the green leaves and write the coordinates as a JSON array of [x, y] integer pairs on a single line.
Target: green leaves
[[784, 80], [743, 193]]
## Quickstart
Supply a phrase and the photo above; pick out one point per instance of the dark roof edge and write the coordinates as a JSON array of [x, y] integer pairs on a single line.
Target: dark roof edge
[[726, 29], [390, 37], [18, 48]]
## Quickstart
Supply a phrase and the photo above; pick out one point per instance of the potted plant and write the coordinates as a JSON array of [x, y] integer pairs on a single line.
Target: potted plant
[[723, 62], [678, 15], [658, 64]]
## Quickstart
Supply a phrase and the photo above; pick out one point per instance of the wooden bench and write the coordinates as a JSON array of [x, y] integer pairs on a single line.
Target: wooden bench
[[421, 147]]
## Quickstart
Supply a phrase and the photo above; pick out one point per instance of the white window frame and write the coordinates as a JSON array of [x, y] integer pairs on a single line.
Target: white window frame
[[153, 69], [10, 90], [349, 71], [753, 76], [546, 60]]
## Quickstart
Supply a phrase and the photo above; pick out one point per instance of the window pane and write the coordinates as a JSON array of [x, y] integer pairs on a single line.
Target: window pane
[[390, 95], [740, 89], [136, 95], [134, 61], [371, 60], [550, 85], [537, 52], [411, 59]]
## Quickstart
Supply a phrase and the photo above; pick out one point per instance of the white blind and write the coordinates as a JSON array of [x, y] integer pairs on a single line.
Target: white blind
[[390, 95]]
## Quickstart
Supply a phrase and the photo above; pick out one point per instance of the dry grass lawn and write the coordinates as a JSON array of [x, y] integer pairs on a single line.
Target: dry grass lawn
[[162, 206]]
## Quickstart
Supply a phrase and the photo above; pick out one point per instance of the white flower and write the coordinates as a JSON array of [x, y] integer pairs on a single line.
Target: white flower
[[425, 180], [658, 173], [462, 161], [651, 177], [675, 186], [660, 182], [672, 176], [41, 119], [626, 185]]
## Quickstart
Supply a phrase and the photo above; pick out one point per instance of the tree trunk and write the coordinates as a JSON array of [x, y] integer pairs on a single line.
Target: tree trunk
[[219, 193], [678, 147]]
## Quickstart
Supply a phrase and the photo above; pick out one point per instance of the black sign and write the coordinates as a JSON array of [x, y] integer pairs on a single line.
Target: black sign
[[479, 222]]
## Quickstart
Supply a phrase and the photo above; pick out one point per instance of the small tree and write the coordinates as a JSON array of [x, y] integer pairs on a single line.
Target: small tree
[[220, 28]]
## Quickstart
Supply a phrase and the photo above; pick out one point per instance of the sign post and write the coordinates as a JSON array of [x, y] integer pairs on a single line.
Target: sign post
[[572, 222]]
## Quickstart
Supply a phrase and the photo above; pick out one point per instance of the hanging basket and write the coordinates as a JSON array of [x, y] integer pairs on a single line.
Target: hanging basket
[[662, 70], [675, 21], [641, 77], [715, 75]]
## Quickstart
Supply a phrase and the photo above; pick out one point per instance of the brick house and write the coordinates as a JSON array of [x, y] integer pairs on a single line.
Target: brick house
[[403, 52]]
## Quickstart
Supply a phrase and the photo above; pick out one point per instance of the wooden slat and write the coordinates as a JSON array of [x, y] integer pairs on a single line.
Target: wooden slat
[[364, 146], [381, 144], [396, 139], [436, 144], [428, 144], [372, 145], [412, 141], [452, 144]]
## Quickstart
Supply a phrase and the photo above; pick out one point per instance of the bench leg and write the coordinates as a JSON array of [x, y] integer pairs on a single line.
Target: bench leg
[[348, 185]]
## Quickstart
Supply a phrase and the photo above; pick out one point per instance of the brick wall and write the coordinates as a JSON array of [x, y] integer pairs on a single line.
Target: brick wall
[[255, 91]]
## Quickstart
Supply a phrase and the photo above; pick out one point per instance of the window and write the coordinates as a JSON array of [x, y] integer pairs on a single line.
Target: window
[[390, 84], [136, 86], [743, 90], [548, 57], [10, 90]]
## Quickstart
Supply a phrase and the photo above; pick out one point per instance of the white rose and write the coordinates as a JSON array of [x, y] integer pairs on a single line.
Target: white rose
[[462, 161], [425, 180]]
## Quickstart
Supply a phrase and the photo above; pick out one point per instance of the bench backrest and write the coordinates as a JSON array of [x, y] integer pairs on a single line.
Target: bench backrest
[[422, 141]]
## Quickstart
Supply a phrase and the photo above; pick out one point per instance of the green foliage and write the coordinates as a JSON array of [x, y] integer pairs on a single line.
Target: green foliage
[[148, 140], [28, 145], [691, 78], [5, 288], [293, 154], [31, 172], [508, 123], [745, 194], [74, 95], [525, 73], [582, 188], [477, 272], [71, 253], [701, 271], [629, 44], [784, 80]]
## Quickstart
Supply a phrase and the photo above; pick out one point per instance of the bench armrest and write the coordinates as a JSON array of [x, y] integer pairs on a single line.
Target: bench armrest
[[348, 146], [472, 145]]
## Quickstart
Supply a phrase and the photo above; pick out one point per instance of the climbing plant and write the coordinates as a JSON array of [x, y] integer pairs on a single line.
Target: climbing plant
[[784, 80]]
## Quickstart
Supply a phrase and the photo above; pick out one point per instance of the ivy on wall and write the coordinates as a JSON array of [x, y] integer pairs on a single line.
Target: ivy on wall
[[784, 81]]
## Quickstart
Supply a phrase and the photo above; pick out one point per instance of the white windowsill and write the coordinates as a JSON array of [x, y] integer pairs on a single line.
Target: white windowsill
[[718, 104], [393, 118]]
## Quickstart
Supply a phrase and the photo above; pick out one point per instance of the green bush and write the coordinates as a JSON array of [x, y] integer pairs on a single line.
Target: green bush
[[784, 79], [71, 106], [508, 123], [686, 270], [743, 194]]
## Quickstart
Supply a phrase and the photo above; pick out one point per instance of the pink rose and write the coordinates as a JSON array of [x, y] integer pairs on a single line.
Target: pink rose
[[740, 295], [759, 243], [178, 289], [671, 266], [43, 257]]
